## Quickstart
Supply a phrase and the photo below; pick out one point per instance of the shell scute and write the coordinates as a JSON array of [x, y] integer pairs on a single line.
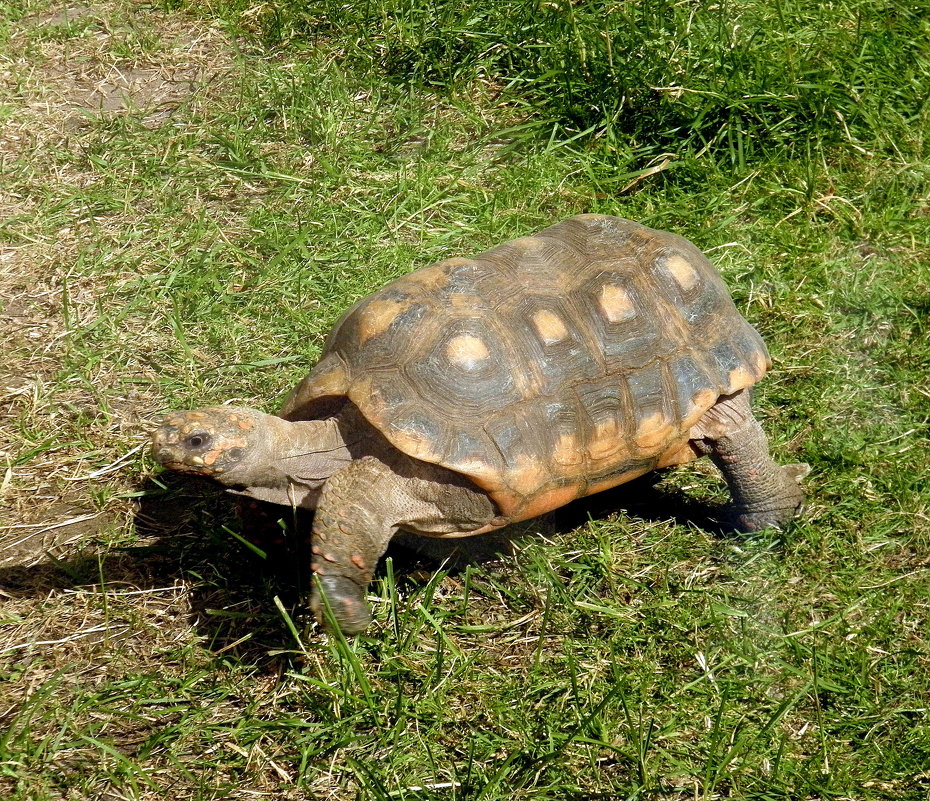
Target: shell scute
[[695, 291], [472, 282], [568, 429], [522, 441], [607, 406], [622, 320], [654, 418], [552, 351], [424, 434], [474, 454], [726, 359], [694, 390], [517, 437], [596, 235], [380, 327], [535, 263], [466, 372]]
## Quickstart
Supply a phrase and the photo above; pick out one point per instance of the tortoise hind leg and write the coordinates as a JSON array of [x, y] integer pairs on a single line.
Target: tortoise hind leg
[[361, 507], [763, 494]]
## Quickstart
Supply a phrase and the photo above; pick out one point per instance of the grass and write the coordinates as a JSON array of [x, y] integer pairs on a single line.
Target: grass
[[192, 194]]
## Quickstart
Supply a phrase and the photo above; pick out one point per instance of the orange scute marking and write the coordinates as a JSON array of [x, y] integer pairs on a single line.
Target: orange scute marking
[[740, 378], [763, 364], [467, 351], [549, 326], [652, 431], [682, 271], [481, 472], [414, 444], [328, 378], [606, 440], [567, 451], [431, 278], [377, 316], [527, 477], [616, 304], [700, 402]]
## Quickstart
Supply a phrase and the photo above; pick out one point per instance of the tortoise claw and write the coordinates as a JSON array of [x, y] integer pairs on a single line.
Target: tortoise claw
[[345, 600], [747, 522]]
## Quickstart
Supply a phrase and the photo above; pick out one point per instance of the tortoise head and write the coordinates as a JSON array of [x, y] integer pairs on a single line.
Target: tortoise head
[[220, 442]]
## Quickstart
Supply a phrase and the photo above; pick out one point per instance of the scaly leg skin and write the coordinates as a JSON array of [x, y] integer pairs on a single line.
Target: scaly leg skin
[[764, 494], [360, 509]]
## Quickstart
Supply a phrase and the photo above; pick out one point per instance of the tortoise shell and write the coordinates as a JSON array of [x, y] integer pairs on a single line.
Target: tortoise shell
[[548, 368]]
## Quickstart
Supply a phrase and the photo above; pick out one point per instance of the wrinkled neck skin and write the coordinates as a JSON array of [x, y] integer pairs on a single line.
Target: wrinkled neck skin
[[291, 462]]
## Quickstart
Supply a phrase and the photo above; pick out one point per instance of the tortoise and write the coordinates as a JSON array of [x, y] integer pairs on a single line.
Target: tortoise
[[479, 392]]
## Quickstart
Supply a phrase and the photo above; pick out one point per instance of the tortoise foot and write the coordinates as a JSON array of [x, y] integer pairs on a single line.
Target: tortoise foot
[[346, 601], [747, 522], [786, 503]]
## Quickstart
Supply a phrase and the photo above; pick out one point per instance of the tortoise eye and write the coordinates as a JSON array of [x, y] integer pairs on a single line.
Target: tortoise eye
[[199, 440]]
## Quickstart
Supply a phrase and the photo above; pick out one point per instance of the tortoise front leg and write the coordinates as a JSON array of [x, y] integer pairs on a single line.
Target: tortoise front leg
[[361, 507], [764, 494]]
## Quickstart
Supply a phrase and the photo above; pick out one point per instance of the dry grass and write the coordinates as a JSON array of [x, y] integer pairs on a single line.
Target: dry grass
[[58, 87]]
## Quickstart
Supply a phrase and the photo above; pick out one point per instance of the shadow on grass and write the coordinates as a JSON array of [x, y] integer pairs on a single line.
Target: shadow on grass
[[188, 528], [643, 499]]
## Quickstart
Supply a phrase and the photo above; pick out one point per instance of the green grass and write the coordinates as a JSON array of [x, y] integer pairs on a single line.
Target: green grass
[[255, 169]]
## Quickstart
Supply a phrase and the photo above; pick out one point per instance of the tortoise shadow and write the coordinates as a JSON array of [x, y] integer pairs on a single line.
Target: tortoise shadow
[[188, 528], [150, 564], [184, 532], [646, 498]]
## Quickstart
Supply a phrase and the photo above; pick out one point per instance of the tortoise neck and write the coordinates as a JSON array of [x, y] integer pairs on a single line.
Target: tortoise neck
[[311, 442], [294, 461]]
